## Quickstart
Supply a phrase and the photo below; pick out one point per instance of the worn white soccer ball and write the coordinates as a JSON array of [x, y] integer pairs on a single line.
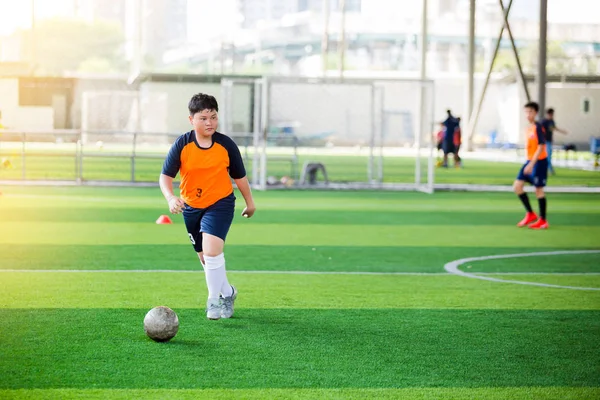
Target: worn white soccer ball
[[161, 324]]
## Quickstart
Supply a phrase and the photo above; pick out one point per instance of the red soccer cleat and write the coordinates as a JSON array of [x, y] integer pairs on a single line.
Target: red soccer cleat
[[529, 218], [539, 224]]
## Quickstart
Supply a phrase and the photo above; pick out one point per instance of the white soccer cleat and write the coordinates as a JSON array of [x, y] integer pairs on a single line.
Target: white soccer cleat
[[213, 309], [227, 304]]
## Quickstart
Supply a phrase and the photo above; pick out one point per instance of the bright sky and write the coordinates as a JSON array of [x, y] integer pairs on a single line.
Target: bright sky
[[210, 18], [17, 13]]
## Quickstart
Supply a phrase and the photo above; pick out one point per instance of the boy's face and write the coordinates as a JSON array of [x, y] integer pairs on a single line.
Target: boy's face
[[549, 116], [530, 114], [205, 122]]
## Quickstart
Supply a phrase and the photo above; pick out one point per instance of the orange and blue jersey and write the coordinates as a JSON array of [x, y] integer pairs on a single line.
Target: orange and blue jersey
[[450, 124], [457, 136], [534, 137], [205, 172]]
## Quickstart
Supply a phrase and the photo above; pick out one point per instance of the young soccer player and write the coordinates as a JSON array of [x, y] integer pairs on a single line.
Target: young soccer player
[[550, 127], [534, 171], [205, 160], [439, 138], [457, 143], [450, 124]]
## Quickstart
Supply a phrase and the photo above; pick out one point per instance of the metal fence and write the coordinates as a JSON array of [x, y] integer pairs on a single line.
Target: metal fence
[[292, 132], [89, 156]]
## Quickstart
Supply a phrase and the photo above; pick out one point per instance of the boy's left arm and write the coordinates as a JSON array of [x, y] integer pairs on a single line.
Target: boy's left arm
[[244, 187], [563, 131]]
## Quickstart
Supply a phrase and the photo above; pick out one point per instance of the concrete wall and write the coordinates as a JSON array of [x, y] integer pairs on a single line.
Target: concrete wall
[[93, 85], [340, 113], [569, 115], [15, 116], [567, 99]]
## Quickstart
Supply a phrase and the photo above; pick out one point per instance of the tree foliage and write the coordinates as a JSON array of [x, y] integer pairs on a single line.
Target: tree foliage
[[67, 45]]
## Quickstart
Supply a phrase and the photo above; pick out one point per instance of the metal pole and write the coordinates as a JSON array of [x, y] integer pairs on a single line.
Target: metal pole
[[372, 144], [381, 123], [325, 38], [258, 104], [33, 39], [77, 141], [265, 133], [471, 61], [23, 168], [79, 157], [515, 52], [135, 67], [422, 94], [81, 161], [226, 101], [430, 166], [342, 44], [475, 115], [133, 157], [541, 75]]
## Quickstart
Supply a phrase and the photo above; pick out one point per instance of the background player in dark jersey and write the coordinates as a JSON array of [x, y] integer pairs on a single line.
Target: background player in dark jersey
[[450, 124], [457, 143], [206, 161], [549, 128], [534, 171]]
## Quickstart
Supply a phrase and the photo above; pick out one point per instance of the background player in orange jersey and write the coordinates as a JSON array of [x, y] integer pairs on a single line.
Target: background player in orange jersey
[[534, 171], [206, 161]]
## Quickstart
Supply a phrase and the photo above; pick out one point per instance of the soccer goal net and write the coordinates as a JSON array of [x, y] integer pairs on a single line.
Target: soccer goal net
[[339, 134]]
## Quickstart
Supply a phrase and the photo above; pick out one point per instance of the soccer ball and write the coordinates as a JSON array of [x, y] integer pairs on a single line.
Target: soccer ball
[[161, 324]]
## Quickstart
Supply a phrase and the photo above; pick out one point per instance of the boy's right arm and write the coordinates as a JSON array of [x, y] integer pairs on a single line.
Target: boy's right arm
[[166, 187], [170, 169]]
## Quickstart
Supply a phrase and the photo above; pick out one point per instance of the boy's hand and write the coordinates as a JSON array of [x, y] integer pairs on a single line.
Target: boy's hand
[[528, 169], [248, 211], [176, 205]]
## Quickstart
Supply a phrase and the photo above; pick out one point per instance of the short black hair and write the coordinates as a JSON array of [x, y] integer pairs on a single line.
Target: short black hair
[[202, 101], [533, 105], [550, 111]]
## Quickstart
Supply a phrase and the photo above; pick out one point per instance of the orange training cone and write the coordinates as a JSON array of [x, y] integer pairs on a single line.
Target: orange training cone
[[164, 219]]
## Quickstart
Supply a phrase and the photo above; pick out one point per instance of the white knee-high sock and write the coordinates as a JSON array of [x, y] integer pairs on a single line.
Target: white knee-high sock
[[226, 289], [216, 277]]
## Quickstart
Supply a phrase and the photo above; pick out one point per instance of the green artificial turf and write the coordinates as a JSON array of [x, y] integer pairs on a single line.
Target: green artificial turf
[[266, 291], [316, 335], [493, 393], [290, 348]]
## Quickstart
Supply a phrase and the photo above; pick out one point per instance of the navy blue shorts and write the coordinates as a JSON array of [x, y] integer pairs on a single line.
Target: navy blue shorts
[[214, 220], [448, 147], [538, 177]]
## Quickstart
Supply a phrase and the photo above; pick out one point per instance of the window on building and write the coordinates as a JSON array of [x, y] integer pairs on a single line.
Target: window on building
[[351, 5], [302, 5], [586, 106]]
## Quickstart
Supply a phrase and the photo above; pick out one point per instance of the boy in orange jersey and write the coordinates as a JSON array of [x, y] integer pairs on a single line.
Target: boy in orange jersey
[[534, 171], [206, 161]]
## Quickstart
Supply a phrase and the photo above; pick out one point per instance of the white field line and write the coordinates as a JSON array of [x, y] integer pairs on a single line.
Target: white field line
[[229, 270], [452, 267], [187, 271]]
